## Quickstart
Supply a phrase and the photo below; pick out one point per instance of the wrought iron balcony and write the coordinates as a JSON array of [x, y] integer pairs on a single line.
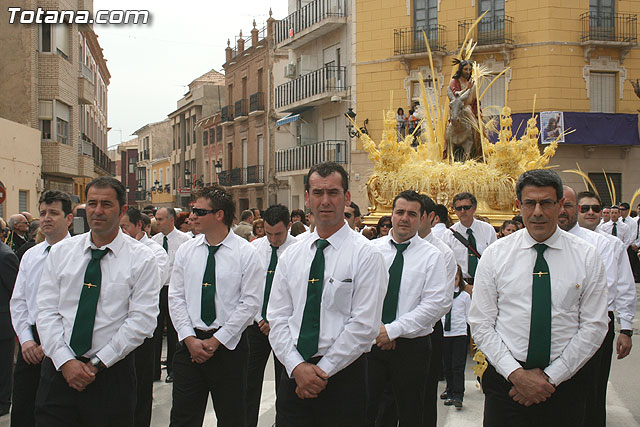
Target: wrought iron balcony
[[497, 30], [407, 41], [304, 156], [241, 109], [242, 176], [256, 102], [609, 27], [227, 113], [327, 79], [298, 28]]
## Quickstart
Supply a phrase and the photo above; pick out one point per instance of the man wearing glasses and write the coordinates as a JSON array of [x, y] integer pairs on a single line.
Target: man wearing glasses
[[621, 297], [478, 234], [215, 293], [539, 313], [351, 214]]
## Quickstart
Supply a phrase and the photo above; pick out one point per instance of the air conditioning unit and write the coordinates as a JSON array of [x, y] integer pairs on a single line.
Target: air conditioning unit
[[290, 71]]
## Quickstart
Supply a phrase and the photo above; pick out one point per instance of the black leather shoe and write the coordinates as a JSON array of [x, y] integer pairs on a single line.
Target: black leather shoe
[[448, 402], [169, 379], [444, 395], [457, 404]]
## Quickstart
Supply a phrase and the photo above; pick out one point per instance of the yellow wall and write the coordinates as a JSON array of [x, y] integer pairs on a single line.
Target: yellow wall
[[20, 170], [164, 197]]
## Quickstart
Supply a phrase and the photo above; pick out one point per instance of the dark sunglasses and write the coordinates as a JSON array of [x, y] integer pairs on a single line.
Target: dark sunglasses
[[347, 215], [386, 224], [463, 207], [585, 208], [203, 212]]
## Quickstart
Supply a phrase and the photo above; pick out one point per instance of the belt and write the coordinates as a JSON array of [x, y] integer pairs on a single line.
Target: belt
[[203, 335]]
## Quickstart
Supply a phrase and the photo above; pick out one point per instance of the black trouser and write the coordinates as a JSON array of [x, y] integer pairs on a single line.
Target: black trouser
[[223, 376], [598, 367], [144, 373], [564, 408], [172, 336], [635, 264], [259, 350], [341, 404], [26, 378], [454, 356], [6, 371], [109, 401], [406, 369], [430, 416]]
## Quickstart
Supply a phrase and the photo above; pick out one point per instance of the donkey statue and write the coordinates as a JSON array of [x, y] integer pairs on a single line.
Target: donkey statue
[[460, 131]]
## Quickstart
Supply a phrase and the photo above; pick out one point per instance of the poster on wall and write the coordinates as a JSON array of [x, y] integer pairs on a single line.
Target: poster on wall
[[552, 125]]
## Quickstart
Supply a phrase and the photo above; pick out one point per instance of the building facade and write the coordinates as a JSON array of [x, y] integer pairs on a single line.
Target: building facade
[[54, 79], [313, 82], [213, 147], [154, 144], [573, 57], [128, 153], [247, 163], [206, 95], [160, 189]]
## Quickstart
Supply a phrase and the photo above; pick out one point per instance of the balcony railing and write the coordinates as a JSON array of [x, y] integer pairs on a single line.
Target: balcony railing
[[86, 72], [610, 27], [101, 159], [489, 31], [308, 15], [85, 147], [241, 108], [328, 78], [256, 102], [242, 176], [305, 156], [227, 113], [411, 40]]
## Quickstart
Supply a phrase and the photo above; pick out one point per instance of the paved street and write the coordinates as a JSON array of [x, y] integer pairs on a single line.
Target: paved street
[[623, 406]]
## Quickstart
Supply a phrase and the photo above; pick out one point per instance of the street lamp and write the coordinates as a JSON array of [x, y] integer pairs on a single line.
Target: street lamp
[[218, 166], [158, 186], [350, 117], [187, 177]]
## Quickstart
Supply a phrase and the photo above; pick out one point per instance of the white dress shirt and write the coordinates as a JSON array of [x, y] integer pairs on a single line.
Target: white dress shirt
[[500, 314], [484, 234], [162, 258], [623, 297], [623, 231], [635, 231], [459, 314], [127, 308], [439, 229], [24, 306], [174, 240], [263, 247], [425, 295], [451, 267], [354, 286], [239, 273]]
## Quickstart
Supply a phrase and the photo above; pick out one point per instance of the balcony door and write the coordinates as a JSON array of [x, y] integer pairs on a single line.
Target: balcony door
[[602, 19], [425, 17], [245, 164], [492, 25]]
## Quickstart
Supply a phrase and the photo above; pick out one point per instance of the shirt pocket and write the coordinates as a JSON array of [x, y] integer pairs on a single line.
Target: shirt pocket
[[228, 285], [338, 296], [116, 299], [567, 296]]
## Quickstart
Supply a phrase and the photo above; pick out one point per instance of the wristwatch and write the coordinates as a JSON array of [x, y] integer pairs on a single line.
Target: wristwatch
[[627, 332], [97, 363]]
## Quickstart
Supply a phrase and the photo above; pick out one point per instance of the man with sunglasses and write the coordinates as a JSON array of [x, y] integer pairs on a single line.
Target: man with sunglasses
[[617, 228], [621, 296], [538, 313], [351, 214], [215, 293], [478, 234], [170, 238]]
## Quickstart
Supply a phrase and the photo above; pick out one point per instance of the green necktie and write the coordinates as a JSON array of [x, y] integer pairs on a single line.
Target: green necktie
[[310, 327], [165, 244], [615, 229], [390, 306], [447, 318], [82, 332], [472, 259], [208, 300], [267, 286], [540, 333]]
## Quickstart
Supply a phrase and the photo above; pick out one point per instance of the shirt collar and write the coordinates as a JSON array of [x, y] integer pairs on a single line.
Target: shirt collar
[[47, 245], [173, 233], [335, 239], [115, 245], [144, 238], [553, 241], [228, 241], [413, 240], [463, 228], [575, 230]]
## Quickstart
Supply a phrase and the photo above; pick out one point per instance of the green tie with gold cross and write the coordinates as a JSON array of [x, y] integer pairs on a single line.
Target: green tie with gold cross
[[82, 332], [540, 331], [208, 297], [310, 328], [390, 305], [267, 286], [472, 259]]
